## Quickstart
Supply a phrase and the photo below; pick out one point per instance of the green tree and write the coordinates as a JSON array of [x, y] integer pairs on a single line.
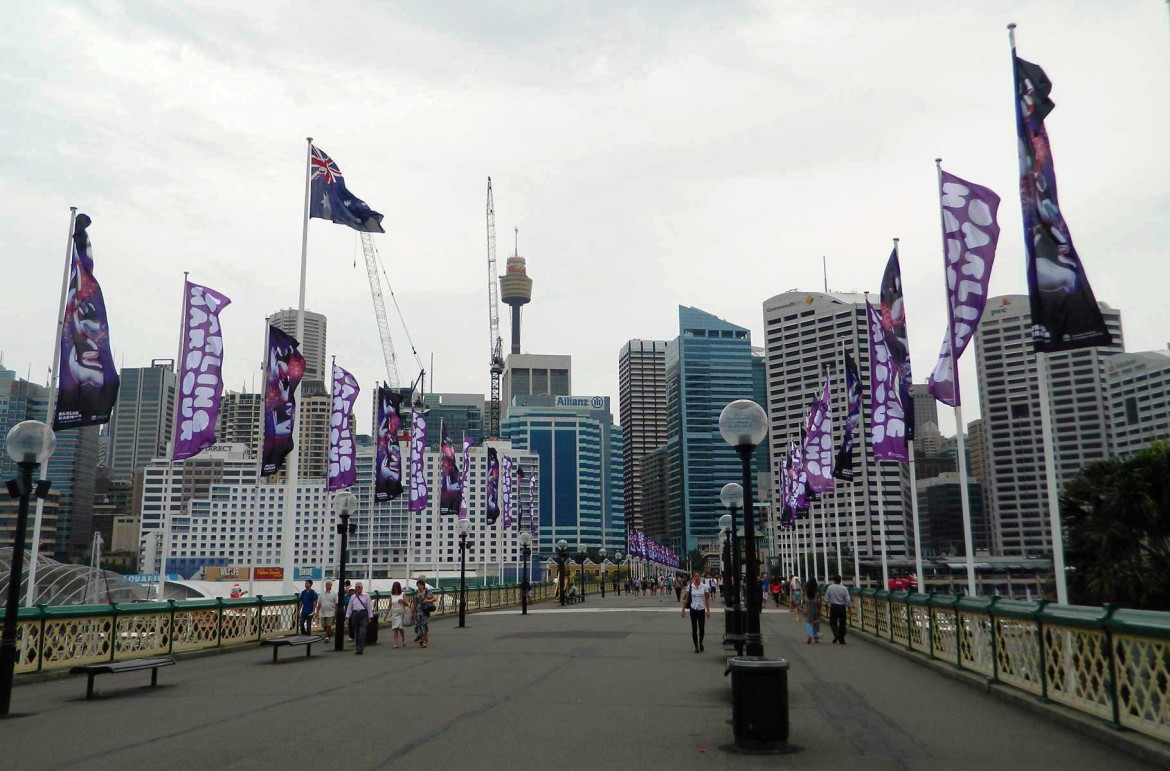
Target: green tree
[[1116, 516]]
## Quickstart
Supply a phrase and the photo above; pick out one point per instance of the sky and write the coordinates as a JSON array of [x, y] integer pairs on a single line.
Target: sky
[[652, 154]]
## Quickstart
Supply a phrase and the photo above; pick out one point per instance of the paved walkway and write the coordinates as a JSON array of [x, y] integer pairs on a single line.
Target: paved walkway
[[609, 684]]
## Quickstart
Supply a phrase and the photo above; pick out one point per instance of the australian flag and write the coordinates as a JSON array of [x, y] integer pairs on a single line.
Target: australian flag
[[329, 199]]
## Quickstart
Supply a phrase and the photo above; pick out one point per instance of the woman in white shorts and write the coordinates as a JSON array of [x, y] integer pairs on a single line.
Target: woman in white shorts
[[397, 611]]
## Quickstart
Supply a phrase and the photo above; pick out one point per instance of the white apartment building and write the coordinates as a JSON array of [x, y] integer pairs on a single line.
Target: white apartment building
[[1138, 394], [806, 333], [1009, 403]]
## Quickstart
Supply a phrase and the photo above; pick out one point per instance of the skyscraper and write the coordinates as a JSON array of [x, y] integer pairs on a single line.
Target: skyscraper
[[462, 414], [642, 412], [925, 407], [313, 344], [805, 332], [535, 374], [708, 366], [1138, 394], [239, 420], [141, 422], [1009, 402]]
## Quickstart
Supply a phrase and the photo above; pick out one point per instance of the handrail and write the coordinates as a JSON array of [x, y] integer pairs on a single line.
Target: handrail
[[1106, 662], [50, 638]]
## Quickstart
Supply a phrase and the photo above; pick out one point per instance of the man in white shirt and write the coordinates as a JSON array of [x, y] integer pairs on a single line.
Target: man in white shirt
[[359, 609], [327, 602], [838, 598], [697, 599]]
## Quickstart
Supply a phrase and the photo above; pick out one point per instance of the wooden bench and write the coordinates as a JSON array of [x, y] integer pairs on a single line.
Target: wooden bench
[[306, 640], [116, 667]]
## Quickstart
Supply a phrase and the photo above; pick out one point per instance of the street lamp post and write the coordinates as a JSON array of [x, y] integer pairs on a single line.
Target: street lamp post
[[343, 505], [463, 526], [744, 425], [581, 574], [731, 496], [526, 554], [562, 552], [29, 443], [601, 555]]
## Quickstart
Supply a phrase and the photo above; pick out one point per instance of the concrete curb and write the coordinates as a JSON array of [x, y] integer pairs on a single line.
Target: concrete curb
[[1130, 742]]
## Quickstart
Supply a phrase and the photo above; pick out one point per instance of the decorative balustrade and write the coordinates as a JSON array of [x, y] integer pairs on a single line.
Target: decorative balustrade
[[50, 638], [1110, 663]]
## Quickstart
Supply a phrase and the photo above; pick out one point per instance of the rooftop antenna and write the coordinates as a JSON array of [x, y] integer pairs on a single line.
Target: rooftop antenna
[[825, 267]]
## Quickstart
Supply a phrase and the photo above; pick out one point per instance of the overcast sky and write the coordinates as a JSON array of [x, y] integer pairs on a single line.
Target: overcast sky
[[652, 154]]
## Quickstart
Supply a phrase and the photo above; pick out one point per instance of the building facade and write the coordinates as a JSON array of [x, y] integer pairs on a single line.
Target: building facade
[[1009, 404], [535, 374], [312, 342], [141, 422], [240, 414], [462, 414], [1138, 394], [642, 413]]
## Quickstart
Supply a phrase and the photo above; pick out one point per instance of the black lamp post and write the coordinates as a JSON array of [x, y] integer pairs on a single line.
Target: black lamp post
[[744, 425], [343, 505], [582, 577], [601, 555], [29, 443], [463, 526], [526, 554], [731, 496], [562, 552]]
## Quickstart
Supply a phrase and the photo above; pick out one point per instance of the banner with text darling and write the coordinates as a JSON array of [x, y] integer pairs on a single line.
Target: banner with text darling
[[200, 380]]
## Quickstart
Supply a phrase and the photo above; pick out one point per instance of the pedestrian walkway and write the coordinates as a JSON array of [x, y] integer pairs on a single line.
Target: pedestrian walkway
[[611, 683]]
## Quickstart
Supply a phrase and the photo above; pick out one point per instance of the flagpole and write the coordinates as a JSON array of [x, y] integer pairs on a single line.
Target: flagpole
[[50, 409], [862, 438], [913, 477], [960, 439], [254, 520], [1050, 477], [162, 560], [374, 478], [288, 521], [882, 528]]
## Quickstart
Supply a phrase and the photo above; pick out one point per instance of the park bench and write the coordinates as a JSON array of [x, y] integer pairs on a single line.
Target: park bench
[[116, 667], [306, 640]]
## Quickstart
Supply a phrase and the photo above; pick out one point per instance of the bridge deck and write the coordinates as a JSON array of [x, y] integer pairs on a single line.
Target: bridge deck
[[612, 683]]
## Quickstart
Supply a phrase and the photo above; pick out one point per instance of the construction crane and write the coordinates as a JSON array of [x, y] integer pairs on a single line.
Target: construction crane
[[495, 344], [371, 255]]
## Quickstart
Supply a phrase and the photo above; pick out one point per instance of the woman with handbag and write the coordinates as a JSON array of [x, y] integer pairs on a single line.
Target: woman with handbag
[[397, 615], [424, 606]]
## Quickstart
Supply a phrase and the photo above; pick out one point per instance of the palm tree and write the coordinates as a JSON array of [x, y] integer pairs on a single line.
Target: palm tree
[[1116, 514]]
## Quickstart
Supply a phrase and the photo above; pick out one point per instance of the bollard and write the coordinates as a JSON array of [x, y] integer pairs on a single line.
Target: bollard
[[759, 702]]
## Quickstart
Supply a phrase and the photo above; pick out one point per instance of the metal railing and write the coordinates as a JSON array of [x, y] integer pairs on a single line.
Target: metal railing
[[1107, 662], [50, 638]]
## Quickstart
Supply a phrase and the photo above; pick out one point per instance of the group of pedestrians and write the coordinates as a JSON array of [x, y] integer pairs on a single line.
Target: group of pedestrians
[[355, 608], [805, 601], [653, 585]]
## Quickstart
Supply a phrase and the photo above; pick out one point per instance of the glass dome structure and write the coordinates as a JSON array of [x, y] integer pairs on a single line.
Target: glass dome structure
[[59, 583]]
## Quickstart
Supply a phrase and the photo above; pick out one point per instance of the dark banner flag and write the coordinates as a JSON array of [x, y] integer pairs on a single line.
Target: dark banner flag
[[420, 494], [200, 380], [970, 235], [466, 469], [843, 468], [87, 380], [329, 199], [283, 372], [342, 451], [388, 485], [897, 336], [1065, 314], [450, 491], [493, 486]]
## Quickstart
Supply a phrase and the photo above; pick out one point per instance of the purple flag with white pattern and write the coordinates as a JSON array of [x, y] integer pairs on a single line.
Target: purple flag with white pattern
[[886, 417], [420, 494], [533, 517], [342, 451], [818, 446], [506, 492], [200, 382], [970, 235]]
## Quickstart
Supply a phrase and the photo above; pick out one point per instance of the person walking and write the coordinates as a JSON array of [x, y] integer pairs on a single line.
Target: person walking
[[838, 598], [812, 614], [327, 610], [358, 613], [397, 615], [308, 599], [698, 601], [424, 605], [775, 588], [678, 587]]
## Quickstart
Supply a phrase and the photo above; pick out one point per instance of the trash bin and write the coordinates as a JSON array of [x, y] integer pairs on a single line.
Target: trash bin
[[372, 630], [759, 702]]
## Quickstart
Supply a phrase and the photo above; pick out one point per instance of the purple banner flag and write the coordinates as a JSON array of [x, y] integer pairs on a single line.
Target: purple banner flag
[[844, 465], [342, 452], [818, 446], [420, 494], [533, 516], [388, 462], [886, 419], [450, 493], [1065, 314], [87, 379], [284, 371], [506, 488], [464, 471], [897, 335], [200, 381], [970, 235], [493, 486]]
